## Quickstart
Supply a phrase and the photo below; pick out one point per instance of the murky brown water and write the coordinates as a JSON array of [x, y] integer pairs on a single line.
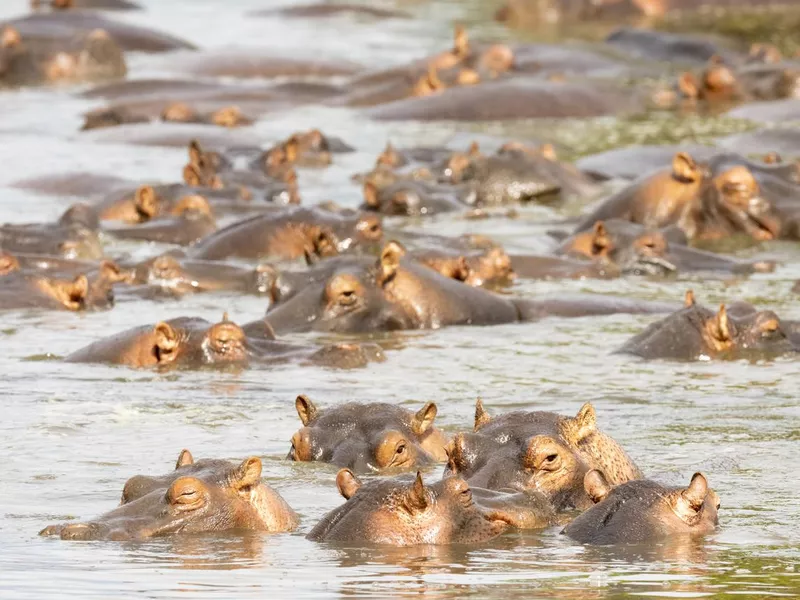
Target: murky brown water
[[70, 435]]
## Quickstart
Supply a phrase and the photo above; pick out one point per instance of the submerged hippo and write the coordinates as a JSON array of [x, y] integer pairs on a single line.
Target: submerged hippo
[[367, 437], [187, 222], [292, 233], [697, 333], [207, 495], [59, 26], [183, 342], [73, 235], [85, 4], [88, 56], [177, 276], [396, 292], [540, 451], [406, 512], [634, 249], [644, 511], [188, 342], [24, 290]]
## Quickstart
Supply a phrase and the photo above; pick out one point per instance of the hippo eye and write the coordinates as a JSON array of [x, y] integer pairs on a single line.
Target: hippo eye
[[400, 449], [347, 297], [551, 458]]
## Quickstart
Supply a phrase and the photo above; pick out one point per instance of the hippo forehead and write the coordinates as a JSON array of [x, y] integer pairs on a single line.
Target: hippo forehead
[[363, 422], [211, 471], [518, 426]]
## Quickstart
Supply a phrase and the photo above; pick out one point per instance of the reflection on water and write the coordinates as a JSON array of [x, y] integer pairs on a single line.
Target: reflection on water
[[72, 434]]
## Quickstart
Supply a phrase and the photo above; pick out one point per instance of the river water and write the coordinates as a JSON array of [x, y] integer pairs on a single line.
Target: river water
[[70, 435]]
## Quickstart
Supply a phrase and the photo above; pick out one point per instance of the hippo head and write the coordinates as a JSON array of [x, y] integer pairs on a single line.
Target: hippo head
[[392, 294], [204, 167], [179, 112], [696, 332], [367, 438], [179, 342], [101, 284], [207, 496], [408, 198], [403, 512], [71, 294], [644, 511], [491, 267], [229, 116], [630, 247], [732, 203]]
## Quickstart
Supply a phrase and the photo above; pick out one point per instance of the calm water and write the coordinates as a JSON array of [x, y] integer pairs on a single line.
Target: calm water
[[71, 435]]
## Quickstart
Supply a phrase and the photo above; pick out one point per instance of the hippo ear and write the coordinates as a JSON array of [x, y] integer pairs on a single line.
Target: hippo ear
[[110, 271], [305, 409], [388, 157], [688, 86], [585, 422], [600, 240], [684, 167], [417, 498], [482, 417], [772, 158], [456, 451], [185, 458], [292, 149], [347, 483], [72, 294], [193, 203], [248, 474], [474, 150], [548, 151], [227, 116], [719, 329], [390, 261], [460, 41], [8, 263], [10, 37], [688, 299], [166, 342], [695, 494], [146, 202], [371, 195], [195, 153], [423, 420], [596, 485], [191, 175]]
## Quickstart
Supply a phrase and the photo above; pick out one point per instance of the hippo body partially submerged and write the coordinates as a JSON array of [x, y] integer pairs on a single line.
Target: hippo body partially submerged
[[644, 511], [209, 495]]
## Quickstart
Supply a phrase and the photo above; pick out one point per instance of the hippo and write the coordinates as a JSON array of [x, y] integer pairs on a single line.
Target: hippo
[[304, 149], [188, 221], [538, 450], [531, 14], [176, 276], [407, 512], [517, 173], [634, 249], [85, 4], [79, 183], [630, 162], [59, 26], [174, 112], [375, 437], [202, 496], [292, 233], [516, 98], [663, 46], [20, 290], [698, 333], [490, 267], [396, 292], [185, 342], [710, 201], [74, 235], [254, 62], [88, 56], [188, 342], [644, 511], [416, 198], [319, 10]]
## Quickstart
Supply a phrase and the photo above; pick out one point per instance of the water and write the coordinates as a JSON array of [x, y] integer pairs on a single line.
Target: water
[[72, 434]]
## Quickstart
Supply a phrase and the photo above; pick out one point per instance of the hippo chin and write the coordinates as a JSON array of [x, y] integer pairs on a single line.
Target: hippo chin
[[644, 511], [697, 333], [539, 451], [209, 495], [374, 437], [406, 512]]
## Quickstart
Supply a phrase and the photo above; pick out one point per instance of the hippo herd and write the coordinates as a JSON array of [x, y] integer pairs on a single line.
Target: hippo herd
[[234, 221]]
